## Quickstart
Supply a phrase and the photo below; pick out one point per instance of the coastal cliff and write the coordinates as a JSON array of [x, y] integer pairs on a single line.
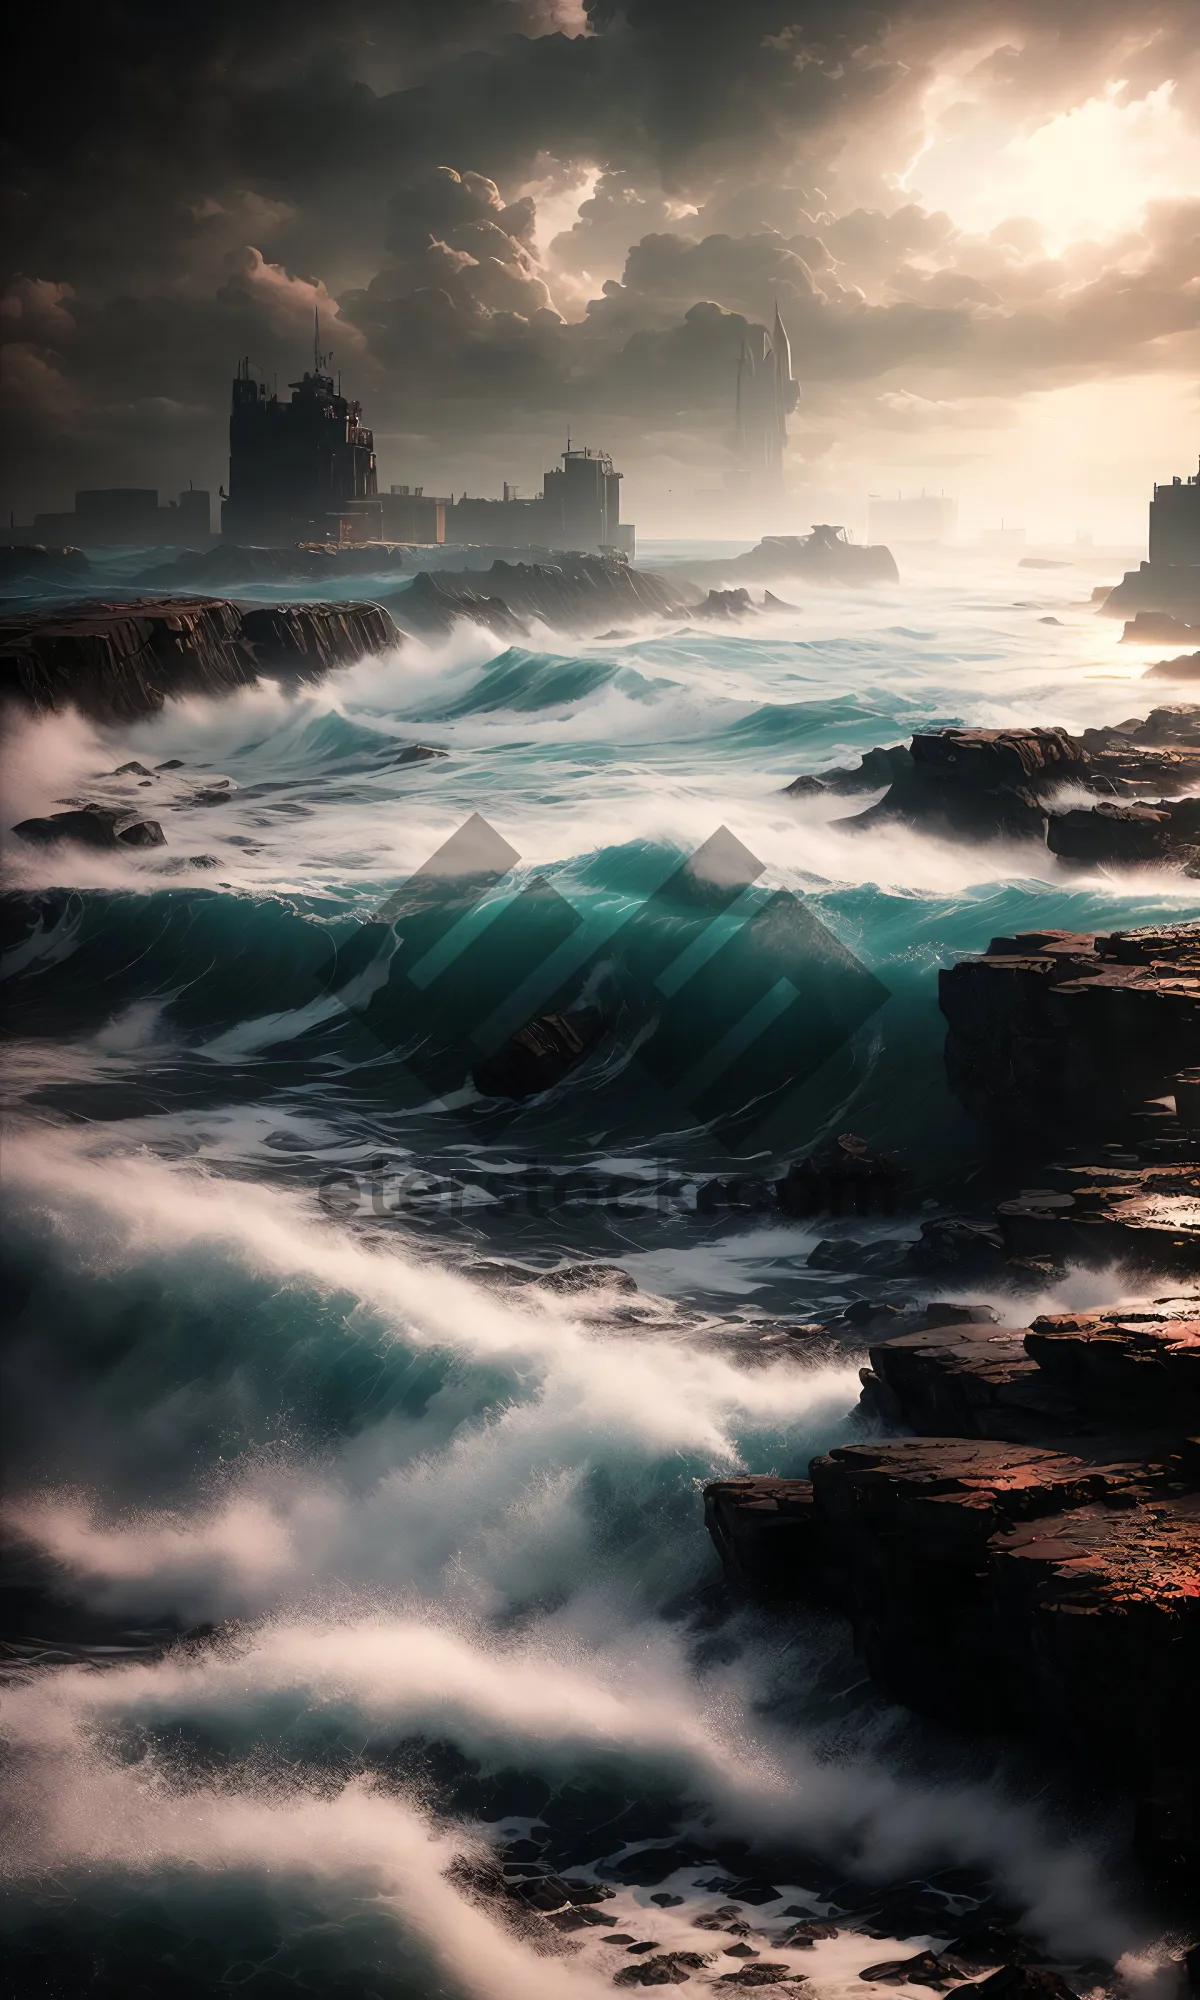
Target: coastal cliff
[[121, 662]]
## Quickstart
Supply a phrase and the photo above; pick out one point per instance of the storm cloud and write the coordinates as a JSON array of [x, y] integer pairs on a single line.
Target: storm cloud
[[515, 215]]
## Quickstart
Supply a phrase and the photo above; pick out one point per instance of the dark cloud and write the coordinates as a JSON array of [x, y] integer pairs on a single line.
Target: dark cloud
[[207, 175]]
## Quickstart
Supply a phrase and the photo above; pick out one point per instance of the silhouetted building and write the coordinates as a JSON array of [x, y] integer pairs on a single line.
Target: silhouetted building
[[1175, 522], [766, 396], [920, 519], [579, 508], [412, 515], [128, 517], [1170, 580], [300, 471]]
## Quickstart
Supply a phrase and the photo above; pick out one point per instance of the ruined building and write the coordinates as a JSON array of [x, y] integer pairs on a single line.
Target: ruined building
[[300, 471], [766, 396], [579, 508], [1169, 582], [1175, 523]]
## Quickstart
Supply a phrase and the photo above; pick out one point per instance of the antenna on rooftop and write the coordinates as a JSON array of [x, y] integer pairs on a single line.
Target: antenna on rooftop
[[316, 338]]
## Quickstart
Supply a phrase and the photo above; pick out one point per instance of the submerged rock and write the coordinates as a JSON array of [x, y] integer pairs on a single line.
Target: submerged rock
[[725, 604], [540, 1054], [844, 1177], [92, 826]]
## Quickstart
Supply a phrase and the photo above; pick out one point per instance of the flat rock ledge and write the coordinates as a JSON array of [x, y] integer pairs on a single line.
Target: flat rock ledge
[[1032, 1559], [1077, 1031], [121, 662]]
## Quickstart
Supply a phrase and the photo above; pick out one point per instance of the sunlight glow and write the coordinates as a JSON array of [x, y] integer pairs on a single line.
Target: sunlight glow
[[1085, 173]]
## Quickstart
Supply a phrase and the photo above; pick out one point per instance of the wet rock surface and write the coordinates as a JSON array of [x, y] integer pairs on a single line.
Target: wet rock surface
[[1031, 1559], [987, 784], [121, 662], [574, 593], [91, 826], [540, 1054], [1075, 1031]]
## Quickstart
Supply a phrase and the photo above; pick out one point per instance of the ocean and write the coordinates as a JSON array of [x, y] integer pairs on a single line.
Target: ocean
[[338, 1563]]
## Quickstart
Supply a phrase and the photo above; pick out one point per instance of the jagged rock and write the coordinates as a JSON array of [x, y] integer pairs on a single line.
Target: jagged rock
[[433, 605], [540, 1054], [841, 1178], [1118, 835], [926, 1968], [668, 1968], [992, 1582], [92, 826], [121, 662], [1185, 667], [875, 768], [1149, 627], [1146, 1217], [772, 603], [767, 1973], [308, 641], [725, 604], [1072, 1031], [574, 592], [982, 783]]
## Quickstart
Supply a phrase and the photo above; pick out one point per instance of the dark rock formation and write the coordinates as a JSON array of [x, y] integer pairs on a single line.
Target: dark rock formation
[[875, 768], [993, 1583], [1072, 1032], [540, 1054], [985, 783], [121, 662], [1149, 628], [981, 782], [843, 1178], [575, 593], [823, 556], [431, 606], [1123, 836], [1186, 667], [92, 826], [733, 603], [1144, 1217]]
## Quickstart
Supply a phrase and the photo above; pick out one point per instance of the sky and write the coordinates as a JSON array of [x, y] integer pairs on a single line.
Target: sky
[[519, 218]]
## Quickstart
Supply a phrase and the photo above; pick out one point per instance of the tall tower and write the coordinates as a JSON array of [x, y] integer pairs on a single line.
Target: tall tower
[[766, 395]]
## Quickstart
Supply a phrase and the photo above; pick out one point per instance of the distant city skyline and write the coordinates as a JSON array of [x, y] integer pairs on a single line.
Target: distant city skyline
[[979, 227]]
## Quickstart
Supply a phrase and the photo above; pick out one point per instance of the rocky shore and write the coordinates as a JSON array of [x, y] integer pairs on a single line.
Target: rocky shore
[[1030, 1559], [121, 662], [989, 784]]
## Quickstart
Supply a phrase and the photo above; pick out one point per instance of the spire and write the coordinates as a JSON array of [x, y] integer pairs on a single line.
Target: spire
[[316, 338]]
